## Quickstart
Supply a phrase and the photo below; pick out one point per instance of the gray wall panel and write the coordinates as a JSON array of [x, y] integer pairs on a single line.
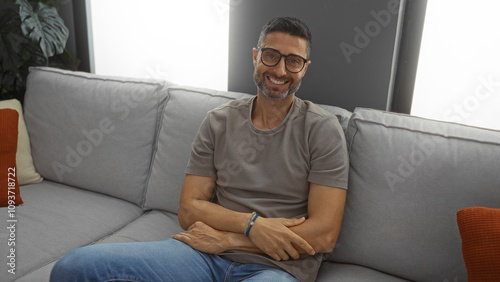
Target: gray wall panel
[[366, 27]]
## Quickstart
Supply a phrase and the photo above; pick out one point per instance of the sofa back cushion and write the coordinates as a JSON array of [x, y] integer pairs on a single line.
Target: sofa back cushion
[[408, 177], [185, 110], [342, 114], [94, 132]]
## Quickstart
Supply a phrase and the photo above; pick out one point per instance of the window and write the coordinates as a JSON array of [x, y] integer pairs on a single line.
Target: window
[[185, 42], [458, 76]]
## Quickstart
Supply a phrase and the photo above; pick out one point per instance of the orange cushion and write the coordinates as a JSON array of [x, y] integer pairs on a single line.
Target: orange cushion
[[9, 186], [26, 173], [480, 231]]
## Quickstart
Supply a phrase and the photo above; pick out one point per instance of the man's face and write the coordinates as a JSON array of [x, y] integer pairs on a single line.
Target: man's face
[[277, 82]]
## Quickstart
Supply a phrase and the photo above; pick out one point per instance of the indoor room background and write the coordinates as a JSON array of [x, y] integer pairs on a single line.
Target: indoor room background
[[437, 59]]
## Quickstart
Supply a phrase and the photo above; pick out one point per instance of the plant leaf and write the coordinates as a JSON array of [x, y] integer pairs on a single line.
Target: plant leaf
[[15, 49], [43, 26]]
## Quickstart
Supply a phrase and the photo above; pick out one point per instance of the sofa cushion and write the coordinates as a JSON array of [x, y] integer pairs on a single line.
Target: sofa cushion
[[480, 232], [151, 226], [185, 110], [56, 219], [154, 225], [26, 173], [408, 177], [343, 115], [9, 186], [94, 132], [330, 271]]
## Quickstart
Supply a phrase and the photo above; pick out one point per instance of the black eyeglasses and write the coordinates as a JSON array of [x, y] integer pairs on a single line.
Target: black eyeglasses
[[271, 57]]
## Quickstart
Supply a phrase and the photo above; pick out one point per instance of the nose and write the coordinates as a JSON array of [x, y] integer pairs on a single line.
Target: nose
[[280, 68]]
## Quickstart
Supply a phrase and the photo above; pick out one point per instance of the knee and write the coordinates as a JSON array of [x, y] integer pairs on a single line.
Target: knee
[[70, 265]]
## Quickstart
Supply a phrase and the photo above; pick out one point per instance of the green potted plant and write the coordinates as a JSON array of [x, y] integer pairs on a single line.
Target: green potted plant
[[30, 36]]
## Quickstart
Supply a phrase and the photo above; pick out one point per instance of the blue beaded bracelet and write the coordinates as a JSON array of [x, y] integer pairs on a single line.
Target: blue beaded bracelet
[[247, 230], [248, 222]]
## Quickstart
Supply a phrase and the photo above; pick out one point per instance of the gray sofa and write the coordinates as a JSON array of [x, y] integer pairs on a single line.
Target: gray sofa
[[112, 153]]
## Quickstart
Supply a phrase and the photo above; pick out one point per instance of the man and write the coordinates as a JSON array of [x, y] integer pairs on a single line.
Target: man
[[264, 192]]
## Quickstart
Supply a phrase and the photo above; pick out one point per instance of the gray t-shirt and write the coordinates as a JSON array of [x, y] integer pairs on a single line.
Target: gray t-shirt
[[268, 171]]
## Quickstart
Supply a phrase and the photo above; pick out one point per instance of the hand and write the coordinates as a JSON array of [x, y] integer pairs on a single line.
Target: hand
[[203, 238], [273, 237]]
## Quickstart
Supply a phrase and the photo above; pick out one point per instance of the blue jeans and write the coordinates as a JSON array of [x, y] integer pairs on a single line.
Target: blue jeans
[[168, 260]]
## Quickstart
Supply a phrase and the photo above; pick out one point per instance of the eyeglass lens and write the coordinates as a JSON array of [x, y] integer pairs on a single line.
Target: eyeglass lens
[[272, 57]]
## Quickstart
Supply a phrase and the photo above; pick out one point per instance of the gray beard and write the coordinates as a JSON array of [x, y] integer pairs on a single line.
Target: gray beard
[[262, 87]]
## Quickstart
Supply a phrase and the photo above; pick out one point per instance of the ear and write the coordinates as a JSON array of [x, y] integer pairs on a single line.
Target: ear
[[255, 54], [305, 68]]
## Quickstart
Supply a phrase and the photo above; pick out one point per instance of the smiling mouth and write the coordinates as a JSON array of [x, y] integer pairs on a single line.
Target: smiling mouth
[[276, 81]]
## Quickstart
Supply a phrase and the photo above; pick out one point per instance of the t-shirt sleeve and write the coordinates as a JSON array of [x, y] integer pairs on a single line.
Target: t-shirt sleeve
[[329, 157], [201, 160]]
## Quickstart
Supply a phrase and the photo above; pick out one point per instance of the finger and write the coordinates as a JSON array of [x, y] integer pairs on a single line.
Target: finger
[[183, 237], [292, 251], [177, 236], [272, 253], [289, 222], [283, 254], [275, 256], [299, 241]]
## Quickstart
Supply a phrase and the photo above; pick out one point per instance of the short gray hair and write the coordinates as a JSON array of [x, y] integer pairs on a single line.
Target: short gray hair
[[289, 25]]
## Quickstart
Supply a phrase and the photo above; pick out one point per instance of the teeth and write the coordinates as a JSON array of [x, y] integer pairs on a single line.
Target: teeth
[[276, 81]]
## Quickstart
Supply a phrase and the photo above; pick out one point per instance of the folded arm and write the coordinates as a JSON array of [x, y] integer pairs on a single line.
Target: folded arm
[[325, 212], [279, 238]]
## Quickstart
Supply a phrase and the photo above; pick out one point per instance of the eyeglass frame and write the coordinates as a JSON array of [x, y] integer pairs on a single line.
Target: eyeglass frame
[[262, 49]]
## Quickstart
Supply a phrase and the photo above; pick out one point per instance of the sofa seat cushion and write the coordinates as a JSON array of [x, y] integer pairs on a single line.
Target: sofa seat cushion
[[154, 225], [330, 271], [151, 226], [408, 177], [55, 219]]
